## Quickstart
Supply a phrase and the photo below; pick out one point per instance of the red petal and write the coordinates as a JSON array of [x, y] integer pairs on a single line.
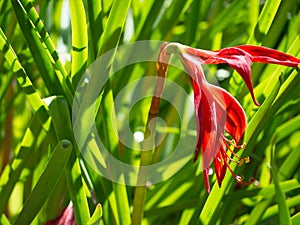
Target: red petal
[[236, 121], [197, 99], [239, 60], [207, 112], [206, 180], [216, 111], [220, 167], [241, 57], [268, 55], [208, 139], [209, 134]]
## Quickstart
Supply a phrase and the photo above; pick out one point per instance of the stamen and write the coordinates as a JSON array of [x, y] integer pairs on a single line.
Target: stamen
[[231, 159], [233, 143], [240, 179], [251, 180], [230, 145], [247, 159], [240, 161], [244, 160], [221, 160]]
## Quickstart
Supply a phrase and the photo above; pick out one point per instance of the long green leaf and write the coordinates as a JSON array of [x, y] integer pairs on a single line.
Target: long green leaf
[[18, 163], [47, 181], [109, 40], [44, 63], [62, 123], [95, 13], [34, 98], [115, 26], [79, 40], [45, 39], [284, 216]]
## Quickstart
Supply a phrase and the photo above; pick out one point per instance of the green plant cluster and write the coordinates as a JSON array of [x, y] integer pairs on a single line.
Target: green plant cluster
[[42, 62]]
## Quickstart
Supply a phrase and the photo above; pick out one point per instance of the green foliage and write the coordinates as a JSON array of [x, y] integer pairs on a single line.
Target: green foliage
[[42, 62]]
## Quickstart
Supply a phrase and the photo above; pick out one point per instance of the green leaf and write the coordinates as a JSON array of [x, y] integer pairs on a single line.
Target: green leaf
[[34, 98], [266, 17], [284, 216], [54, 169], [95, 29], [37, 49], [258, 211], [169, 19], [296, 219], [114, 26], [272, 211], [62, 123], [79, 40], [4, 220], [96, 217], [45, 39], [12, 172]]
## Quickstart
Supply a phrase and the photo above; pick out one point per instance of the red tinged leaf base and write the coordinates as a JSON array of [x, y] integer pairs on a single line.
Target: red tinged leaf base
[[67, 217]]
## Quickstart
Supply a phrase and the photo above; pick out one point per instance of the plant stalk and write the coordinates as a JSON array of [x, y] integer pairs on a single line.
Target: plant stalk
[[146, 156]]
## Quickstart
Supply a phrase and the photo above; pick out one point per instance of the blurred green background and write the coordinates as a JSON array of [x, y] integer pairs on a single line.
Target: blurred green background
[[45, 48]]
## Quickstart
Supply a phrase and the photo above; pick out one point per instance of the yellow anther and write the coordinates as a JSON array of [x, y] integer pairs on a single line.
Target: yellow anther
[[243, 146], [241, 162], [247, 159], [240, 178]]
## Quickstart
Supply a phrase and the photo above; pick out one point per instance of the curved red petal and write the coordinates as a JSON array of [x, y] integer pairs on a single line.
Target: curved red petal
[[207, 112], [220, 167], [197, 99], [206, 180], [209, 134], [268, 55], [239, 60], [196, 76], [241, 57], [236, 120], [216, 112], [199, 53]]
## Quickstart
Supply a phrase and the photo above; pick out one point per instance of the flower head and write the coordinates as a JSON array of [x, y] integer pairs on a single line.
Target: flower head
[[241, 57], [221, 121]]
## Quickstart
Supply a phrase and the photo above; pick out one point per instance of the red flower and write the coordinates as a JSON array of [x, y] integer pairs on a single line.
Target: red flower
[[221, 121], [241, 57], [217, 114]]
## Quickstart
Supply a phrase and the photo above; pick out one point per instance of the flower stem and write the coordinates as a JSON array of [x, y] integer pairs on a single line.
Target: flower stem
[[146, 154], [140, 192]]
